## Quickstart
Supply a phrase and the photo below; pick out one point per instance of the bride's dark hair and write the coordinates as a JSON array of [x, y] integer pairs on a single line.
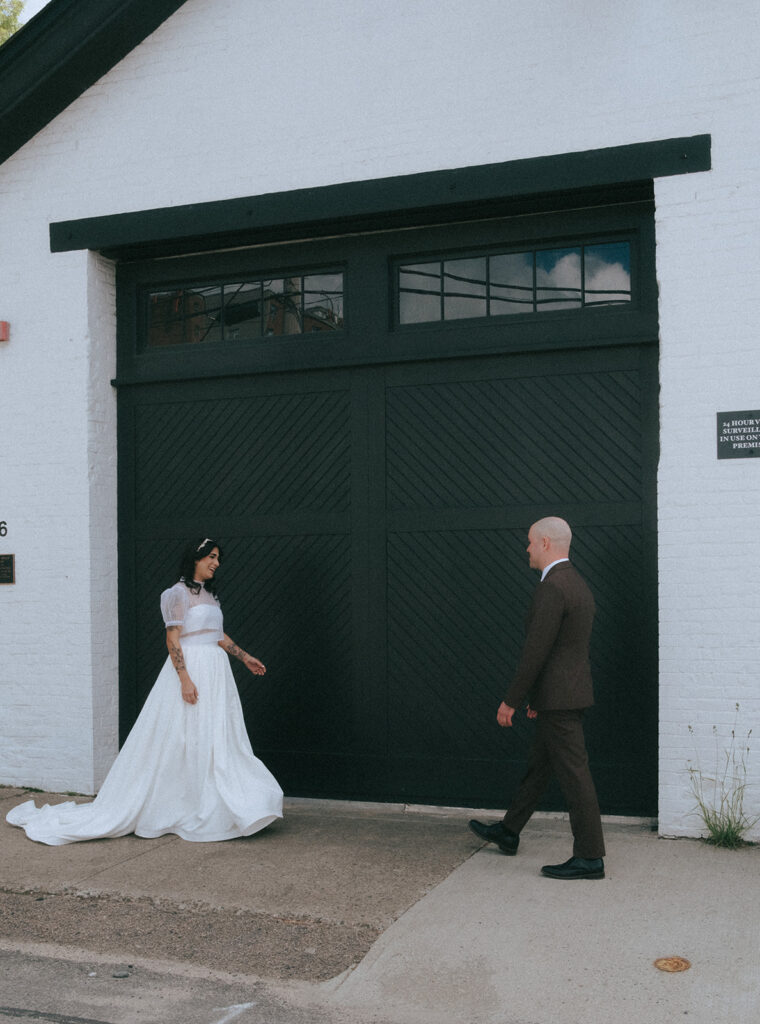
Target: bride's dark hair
[[194, 551]]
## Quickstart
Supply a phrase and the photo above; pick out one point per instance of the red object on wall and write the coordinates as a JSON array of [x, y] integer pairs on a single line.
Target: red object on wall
[[5, 330]]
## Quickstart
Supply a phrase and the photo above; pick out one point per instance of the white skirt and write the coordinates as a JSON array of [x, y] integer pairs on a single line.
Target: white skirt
[[186, 769]]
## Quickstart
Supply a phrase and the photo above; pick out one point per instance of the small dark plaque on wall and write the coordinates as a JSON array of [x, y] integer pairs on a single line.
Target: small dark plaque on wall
[[7, 569], [739, 435]]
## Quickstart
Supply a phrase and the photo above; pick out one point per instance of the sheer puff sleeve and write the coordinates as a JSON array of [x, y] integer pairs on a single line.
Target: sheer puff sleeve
[[174, 604]]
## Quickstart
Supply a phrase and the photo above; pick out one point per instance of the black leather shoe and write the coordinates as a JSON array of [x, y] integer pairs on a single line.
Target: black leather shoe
[[576, 867], [495, 833]]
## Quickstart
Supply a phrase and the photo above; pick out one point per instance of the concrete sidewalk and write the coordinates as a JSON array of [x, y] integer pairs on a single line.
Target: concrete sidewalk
[[378, 914], [497, 942]]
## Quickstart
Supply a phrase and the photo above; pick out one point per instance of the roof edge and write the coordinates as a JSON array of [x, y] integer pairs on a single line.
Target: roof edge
[[61, 52]]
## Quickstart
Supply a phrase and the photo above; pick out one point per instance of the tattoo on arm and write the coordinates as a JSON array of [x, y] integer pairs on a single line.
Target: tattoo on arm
[[175, 652], [234, 651]]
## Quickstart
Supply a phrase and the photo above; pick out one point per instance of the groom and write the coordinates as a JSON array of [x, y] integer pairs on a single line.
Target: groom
[[554, 678]]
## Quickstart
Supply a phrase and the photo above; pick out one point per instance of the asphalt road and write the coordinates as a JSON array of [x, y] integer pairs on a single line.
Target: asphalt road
[[89, 989]]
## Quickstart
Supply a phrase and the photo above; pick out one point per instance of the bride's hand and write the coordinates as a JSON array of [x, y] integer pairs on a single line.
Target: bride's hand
[[189, 692], [254, 665]]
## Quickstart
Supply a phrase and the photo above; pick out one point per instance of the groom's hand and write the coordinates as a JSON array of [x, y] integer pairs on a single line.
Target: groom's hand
[[505, 715]]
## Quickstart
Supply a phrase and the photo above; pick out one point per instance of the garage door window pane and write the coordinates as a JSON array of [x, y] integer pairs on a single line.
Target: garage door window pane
[[323, 302], [242, 311], [464, 288], [420, 293], [558, 279], [607, 274], [184, 316], [512, 284], [282, 306]]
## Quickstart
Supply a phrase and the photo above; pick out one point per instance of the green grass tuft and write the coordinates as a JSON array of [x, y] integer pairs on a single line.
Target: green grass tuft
[[720, 796]]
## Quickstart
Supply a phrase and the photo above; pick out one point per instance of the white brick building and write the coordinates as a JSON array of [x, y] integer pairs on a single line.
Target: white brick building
[[129, 107]]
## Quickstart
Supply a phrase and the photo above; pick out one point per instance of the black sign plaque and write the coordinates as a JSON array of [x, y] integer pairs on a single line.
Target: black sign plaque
[[739, 434], [7, 569]]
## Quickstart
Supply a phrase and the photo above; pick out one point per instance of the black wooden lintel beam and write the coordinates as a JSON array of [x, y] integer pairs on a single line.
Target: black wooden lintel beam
[[383, 203]]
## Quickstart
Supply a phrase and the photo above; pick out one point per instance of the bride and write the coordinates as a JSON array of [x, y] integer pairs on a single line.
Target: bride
[[187, 766]]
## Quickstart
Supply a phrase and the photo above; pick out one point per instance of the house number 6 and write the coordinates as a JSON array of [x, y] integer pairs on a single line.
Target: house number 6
[[3, 528]]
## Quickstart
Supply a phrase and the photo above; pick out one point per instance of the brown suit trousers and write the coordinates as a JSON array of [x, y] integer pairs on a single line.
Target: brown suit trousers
[[559, 750]]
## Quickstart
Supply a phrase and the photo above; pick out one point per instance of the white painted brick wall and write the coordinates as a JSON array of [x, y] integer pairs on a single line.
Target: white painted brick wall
[[46, 653], [101, 468], [245, 97], [707, 257]]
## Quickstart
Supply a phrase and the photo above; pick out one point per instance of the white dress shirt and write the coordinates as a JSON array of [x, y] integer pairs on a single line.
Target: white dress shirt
[[551, 566]]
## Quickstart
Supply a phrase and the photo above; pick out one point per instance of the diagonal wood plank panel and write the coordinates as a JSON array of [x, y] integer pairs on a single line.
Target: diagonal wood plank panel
[[457, 596]]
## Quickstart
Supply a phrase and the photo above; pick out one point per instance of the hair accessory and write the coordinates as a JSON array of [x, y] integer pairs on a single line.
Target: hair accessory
[[203, 542]]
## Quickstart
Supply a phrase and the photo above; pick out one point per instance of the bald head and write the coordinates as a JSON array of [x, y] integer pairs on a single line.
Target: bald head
[[548, 540]]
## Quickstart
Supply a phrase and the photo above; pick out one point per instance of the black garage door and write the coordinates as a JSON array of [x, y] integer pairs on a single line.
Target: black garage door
[[371, 459]]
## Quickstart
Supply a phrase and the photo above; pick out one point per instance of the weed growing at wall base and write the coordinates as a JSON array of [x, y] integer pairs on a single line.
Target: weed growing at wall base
[[720, 796]]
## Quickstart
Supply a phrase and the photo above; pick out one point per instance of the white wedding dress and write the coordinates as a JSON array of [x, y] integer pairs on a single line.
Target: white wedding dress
[[185, 768]]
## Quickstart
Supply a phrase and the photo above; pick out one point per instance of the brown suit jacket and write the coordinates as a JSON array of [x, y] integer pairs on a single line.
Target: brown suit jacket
[[554, 672]]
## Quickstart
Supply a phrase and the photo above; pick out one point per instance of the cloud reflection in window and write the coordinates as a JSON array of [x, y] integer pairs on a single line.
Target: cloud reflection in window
[[505, 284]]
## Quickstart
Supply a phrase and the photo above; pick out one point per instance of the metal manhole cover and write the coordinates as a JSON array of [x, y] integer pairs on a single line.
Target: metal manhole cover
[[672, 964]]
